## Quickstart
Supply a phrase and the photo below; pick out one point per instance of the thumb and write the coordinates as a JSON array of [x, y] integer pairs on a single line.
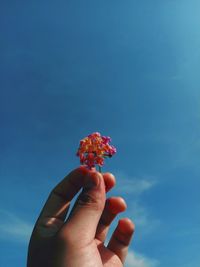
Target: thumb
[[83, 220]]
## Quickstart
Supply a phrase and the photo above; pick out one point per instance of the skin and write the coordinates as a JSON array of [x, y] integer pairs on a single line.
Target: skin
[[77, 239]]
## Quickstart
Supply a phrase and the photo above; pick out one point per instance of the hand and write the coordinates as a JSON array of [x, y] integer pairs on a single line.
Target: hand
[[78, 241]]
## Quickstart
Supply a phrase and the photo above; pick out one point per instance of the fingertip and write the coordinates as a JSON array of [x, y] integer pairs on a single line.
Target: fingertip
[[109, 176], [90, 174], [83, 170], [116, 205], [109, 180], [126, 226]]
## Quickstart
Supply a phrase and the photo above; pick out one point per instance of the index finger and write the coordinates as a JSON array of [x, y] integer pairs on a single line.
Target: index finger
[[58, 202]]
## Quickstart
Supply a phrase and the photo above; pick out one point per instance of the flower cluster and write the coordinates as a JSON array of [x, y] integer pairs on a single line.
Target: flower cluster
[[94, 148]]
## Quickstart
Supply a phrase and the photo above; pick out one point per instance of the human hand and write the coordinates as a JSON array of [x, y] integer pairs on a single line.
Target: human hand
[[78, 241]]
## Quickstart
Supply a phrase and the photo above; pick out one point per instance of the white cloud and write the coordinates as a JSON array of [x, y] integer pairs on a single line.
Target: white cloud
[[132, 185], [14, 228], [138, 260], [132, 189]]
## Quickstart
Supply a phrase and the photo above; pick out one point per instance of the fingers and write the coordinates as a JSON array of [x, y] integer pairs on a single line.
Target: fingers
[[113, 206], [121, 238], [57, 204], [109, 181], [82, 222]]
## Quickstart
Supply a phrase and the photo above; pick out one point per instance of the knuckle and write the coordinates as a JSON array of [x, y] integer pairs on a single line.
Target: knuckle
[[90, 201]]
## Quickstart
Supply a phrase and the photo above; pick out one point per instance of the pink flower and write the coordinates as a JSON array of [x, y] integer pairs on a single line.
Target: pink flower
[[94, 148]]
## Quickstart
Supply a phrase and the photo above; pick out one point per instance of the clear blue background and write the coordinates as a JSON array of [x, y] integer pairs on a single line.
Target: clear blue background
[[128, 69]]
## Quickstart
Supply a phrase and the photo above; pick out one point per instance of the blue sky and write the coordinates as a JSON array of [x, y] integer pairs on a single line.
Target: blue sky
[[128, 69]]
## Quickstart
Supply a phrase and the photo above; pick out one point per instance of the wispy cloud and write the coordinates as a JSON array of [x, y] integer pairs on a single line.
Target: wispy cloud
[[134, 187], [138, 260], [143, 219], [14, 228]]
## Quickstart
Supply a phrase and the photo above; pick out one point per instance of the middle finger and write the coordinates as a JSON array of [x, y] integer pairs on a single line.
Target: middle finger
[[113, 206]]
